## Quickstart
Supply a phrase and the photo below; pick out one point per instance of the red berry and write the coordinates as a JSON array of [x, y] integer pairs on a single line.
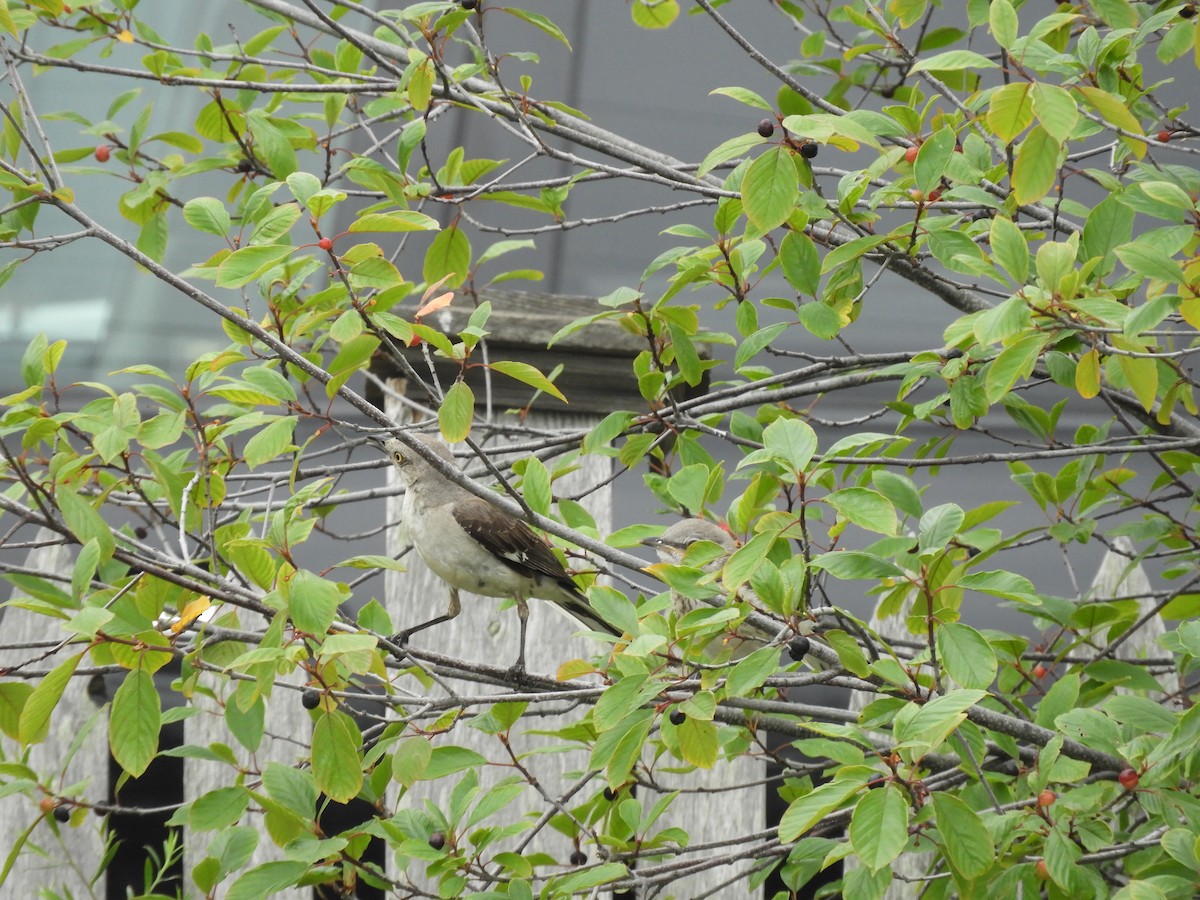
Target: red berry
[[47, 805], [1046, 798], [910, 155], [101, 153], [325, 244], [935, 195], [1042, 872], [1129, 779], [1163, 136], [1039, 671]]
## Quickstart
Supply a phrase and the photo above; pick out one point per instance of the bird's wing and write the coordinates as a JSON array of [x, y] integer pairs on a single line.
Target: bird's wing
[[512, 541], [518, 546]]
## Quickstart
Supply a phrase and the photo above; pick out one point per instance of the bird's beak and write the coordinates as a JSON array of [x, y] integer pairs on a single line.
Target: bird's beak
[[651, 542], [377, 441]]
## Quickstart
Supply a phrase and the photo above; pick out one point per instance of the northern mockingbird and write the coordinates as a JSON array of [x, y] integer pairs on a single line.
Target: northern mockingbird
[[671, 547], [475, 546]]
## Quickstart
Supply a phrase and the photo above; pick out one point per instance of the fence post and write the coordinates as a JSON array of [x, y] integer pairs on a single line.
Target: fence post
[[597, 379], [76, 751]]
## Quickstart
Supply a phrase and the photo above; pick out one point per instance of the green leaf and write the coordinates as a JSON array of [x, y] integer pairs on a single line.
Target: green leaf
[[34, 721], [1036, 166], [447, 760], [866, 508], [848, 565], [967, 656], [791, 441], [1149, 261], [698, 742], [456, 412], [742, 95], [1015, 361], [1010, 249], [879, 826], [1003, 23], [966, 841], [313, 602], [401, 220], [267, 879], [207, 214], [539, 21], [1056, 110], [922, 728], [244, 265], [83, 520], [529, 375], [336, 766], [806, 811], [749, 674], [13, 697], [410, 760], [654, 14], [939, 526], [449, 257], [801, 263], [270, 442], [1010, 110], [932, 158], [952, 61], [727, 150], [770, 188], [353, 356], [218, 809], [134, 722]]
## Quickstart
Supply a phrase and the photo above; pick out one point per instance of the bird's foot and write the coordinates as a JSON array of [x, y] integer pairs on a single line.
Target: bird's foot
[[517, 672], [400, 640]]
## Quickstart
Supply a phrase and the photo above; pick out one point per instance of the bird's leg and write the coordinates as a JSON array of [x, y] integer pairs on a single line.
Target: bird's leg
[[452, 610], [518, 669]]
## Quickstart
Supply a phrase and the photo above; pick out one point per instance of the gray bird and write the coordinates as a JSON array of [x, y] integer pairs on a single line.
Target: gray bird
[[671, 547], [477, 547]]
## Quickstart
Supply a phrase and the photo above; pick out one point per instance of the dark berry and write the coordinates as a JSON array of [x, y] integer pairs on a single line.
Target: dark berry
[[809, 150], [609, 794], [311, 699], [62, 814], [437, 840], [678, 716], [1188, 12], [798, 648], [244, 166], [1129, 779], [766, 128], [579, 858], [140, 533], [468, 4]]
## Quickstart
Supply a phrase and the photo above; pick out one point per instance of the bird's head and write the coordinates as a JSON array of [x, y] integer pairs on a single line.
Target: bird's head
[[673, 543]]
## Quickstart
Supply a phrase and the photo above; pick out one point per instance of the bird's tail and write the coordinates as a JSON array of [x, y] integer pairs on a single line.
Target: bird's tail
[[576, 606]]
